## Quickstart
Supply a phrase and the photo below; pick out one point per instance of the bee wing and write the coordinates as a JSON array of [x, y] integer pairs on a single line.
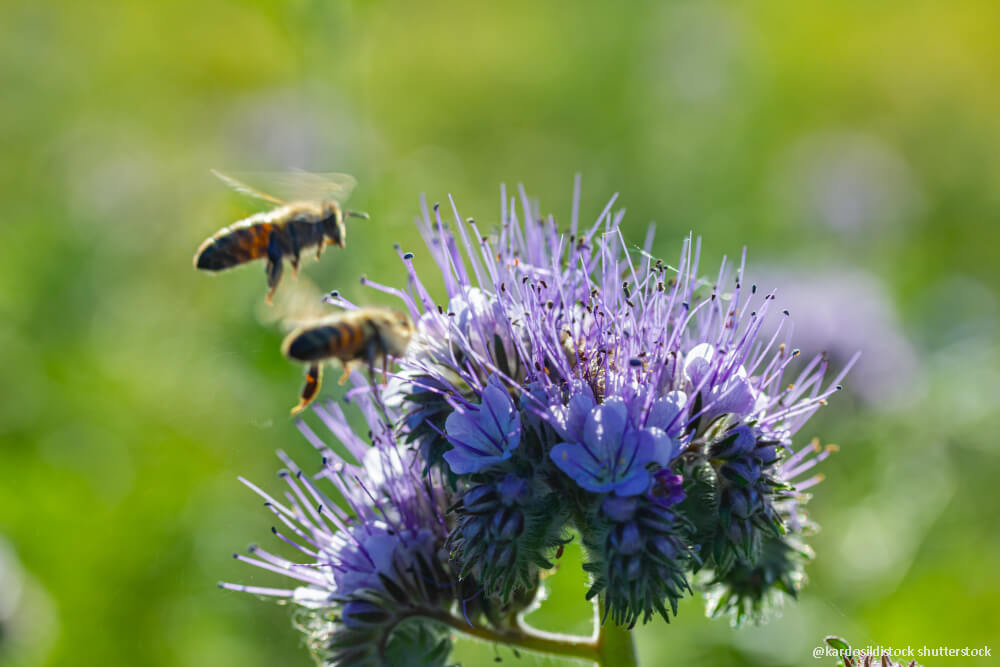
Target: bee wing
[[294, 185], [301, 185], [244, 189], [295, 304]]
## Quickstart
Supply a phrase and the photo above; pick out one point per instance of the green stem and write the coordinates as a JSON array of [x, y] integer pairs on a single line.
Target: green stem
[[529, 639], [615, 646], [612, 646]]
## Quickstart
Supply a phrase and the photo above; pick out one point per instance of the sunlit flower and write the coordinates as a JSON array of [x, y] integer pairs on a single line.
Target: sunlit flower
[[587, 370], [568, 385]]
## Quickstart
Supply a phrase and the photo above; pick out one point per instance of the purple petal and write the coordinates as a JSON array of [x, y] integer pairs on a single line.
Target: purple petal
[[698, 362], [736, 398]]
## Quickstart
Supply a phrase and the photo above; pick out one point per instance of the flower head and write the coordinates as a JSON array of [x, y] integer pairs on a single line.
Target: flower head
[[593, 372], [365, 568]]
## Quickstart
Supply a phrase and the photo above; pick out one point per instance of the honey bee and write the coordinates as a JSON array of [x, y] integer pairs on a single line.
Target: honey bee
[[365, 336], [313, 218]]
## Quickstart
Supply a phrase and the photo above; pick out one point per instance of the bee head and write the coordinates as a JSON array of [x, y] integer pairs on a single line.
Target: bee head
[[403, 320], [333, 225]]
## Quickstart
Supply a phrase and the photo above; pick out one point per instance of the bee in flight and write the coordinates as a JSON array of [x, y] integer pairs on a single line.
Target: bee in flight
[[360, 338], [313, 217], [366, 336]]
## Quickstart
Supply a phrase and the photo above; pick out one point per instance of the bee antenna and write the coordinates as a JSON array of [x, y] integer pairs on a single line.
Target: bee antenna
[[358, 214]]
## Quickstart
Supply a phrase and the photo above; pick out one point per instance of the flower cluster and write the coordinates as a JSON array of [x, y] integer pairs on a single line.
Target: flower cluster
[[568, 386]]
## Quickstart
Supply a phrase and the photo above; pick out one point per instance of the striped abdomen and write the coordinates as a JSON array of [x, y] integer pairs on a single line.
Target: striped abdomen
[[341, 340], [234, 245]]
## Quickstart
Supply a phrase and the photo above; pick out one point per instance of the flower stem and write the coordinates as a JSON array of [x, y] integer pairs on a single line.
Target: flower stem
[[531, 639], [615, 646], [611, 645]]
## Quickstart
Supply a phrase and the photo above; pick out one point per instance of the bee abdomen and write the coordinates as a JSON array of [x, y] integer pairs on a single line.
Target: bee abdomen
[[233, 247], [313, 344]]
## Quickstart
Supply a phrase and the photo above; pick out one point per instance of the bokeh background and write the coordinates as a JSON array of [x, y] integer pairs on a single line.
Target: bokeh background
[[853, 147]]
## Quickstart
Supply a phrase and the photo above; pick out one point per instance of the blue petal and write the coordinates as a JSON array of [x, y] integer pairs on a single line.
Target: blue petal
[[664, 411], [664, 447], [573, 418], [498, 419], [573, 460], [646, 444], [463, 432], [464, 462], [605, 428], [635, 483]]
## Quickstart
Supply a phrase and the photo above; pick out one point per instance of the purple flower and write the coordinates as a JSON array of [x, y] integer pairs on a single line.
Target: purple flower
[[357, 559], [485, 435], [610, 455], [611, 364]]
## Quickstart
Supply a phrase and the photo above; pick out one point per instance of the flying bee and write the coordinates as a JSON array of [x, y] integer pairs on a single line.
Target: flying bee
[[362, 337], [313, 217]]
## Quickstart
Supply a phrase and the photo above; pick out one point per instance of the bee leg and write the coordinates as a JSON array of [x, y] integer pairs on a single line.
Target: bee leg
[[371, 352], [274, 266], [347, 374], [314, 378], [294, 237], [319, 248]]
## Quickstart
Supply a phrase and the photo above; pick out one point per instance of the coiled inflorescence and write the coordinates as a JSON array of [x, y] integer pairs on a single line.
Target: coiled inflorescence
[[571, 386]]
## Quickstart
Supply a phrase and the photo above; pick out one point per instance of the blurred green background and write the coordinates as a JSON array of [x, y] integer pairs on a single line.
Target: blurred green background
[[853, 147]]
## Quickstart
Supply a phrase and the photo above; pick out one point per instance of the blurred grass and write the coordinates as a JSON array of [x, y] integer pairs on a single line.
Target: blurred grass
[[825, 134]]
